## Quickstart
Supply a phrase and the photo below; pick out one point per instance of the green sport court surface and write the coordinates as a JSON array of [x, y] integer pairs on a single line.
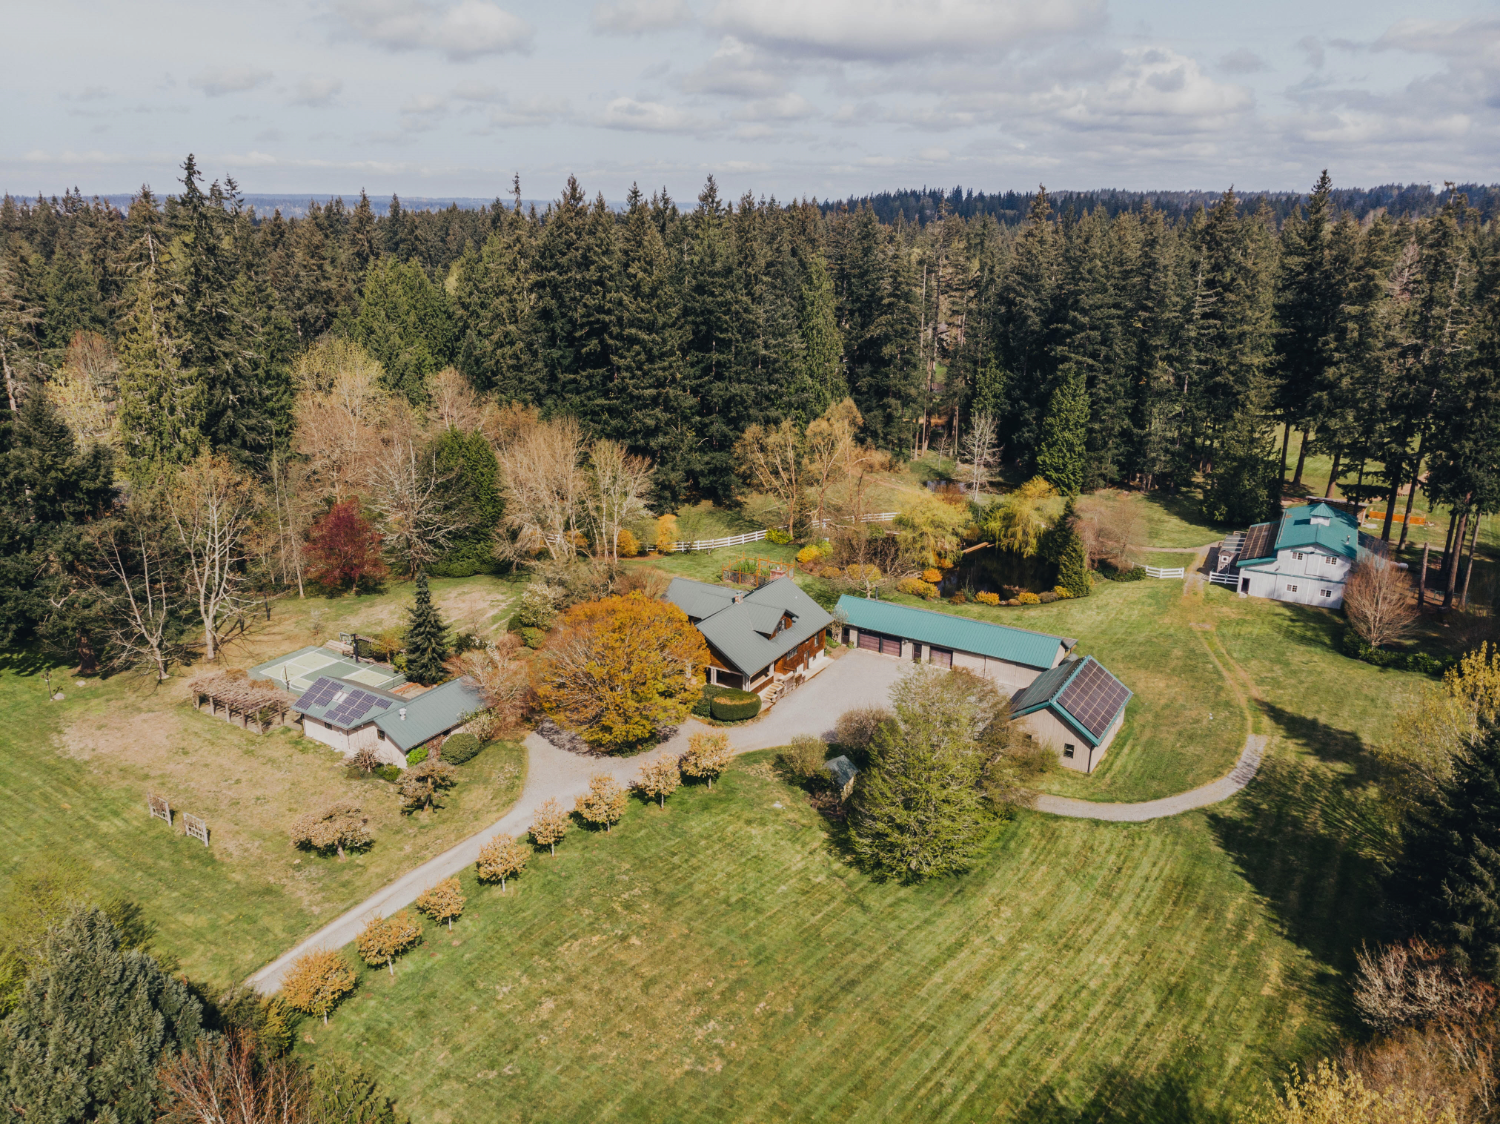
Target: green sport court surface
[[298, 671]]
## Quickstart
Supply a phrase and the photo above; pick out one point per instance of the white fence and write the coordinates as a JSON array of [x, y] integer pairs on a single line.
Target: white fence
[[1225, 577], [880, 517], [714, 544], [1158, 572]]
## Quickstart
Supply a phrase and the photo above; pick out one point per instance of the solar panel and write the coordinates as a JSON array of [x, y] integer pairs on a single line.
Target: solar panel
[[1094, 698], [317, 695]]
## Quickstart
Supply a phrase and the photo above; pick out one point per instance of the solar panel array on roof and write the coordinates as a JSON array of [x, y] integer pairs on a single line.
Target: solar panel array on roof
[[355, 706], [319, 694], [1093, 698], [1259, 542]]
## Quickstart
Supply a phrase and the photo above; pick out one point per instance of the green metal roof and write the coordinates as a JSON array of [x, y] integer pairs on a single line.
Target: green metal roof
[[744, 632], [1319, 525], [1081, 692], [998, 641], [429, 714], [1043, 688]]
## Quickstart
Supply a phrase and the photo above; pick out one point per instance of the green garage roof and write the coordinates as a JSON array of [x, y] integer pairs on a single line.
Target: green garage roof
[[944, 630]]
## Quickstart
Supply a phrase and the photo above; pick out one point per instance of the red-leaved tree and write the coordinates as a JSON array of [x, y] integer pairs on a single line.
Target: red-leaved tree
[[345, 548]]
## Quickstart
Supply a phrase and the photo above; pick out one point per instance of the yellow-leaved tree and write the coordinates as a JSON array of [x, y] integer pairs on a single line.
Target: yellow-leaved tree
[[443, 902], [707, 756], [604, 802], [502, 858], [620, 669], [385, 938], [659, 779], [549, 825], [316, 982], [1018, 521]]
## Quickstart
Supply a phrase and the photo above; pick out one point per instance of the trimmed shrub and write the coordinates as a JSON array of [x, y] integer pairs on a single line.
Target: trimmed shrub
[[830, 572], [1063, 592], [987, 598], [711, 691], [933, 576], [389, 773], [808, 555], [735, 706], [780, 538], [1012, 602], [461, 748], [532, 637], [1422, 662], [627, 544], [1046, 598], [1134, 574], [959, 598], [1028, 598], [916, 587], [417, 756]]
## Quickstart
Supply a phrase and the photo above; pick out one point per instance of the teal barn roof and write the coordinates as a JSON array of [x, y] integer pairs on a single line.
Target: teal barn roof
[[944, 630]]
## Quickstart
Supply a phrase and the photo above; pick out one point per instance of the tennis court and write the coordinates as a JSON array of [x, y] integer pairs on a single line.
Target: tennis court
[[298, 670]]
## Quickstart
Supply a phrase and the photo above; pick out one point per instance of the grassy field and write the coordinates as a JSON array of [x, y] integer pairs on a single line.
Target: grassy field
[[719, 960], [74, 776]]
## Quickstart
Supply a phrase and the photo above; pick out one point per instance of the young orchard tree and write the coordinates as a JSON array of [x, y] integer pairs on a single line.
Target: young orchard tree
[[1378, 602], [344, 548], [336, 828], [500, 859], [443, 902], [622, 668], [549, 825], [212, 507], [707, 757], [317, 981], [423, 783], [385, 938], [659, 779], [604, 803]]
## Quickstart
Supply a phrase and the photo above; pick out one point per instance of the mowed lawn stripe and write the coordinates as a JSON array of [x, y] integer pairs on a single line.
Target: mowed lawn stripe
[[719, 961]]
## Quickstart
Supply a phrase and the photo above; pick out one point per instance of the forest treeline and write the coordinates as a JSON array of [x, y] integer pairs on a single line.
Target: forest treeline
[[1134, 346]]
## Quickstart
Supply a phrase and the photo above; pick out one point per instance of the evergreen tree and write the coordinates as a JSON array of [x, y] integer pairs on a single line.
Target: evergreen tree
[[1063, 458], [426, 638], [1062, 547], [465, 464], [405, 323], [820, 365], [73, 300], [1024, 323], [494, 299], [1245, 486], [86, 1039], [1449, 875], [160, 414]]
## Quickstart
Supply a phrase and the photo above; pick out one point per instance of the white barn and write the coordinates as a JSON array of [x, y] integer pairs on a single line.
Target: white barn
[[1305, 556]]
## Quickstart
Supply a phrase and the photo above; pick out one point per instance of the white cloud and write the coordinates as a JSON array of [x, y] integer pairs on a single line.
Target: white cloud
[[523, 112], [636, 17], [477, 91], [737, 68], [893, 30], [230, 80], [424, 105], [1242, 60], [461, 31], [317, 91], [649, 117], [1312, 50], [786, 107], [936, 155]]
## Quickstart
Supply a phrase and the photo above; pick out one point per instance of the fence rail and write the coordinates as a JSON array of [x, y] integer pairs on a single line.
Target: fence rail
[[1158, 572], [873, 517], [1223, 577], [714, 544]]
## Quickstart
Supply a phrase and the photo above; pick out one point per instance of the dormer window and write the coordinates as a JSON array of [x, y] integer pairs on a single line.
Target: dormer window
[[1320, 521]]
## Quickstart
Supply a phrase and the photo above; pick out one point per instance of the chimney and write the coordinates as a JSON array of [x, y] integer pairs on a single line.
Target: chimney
[[402, 713]]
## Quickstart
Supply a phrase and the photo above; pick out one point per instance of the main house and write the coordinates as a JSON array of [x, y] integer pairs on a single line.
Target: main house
[[1305, 556], [756, 638], [1012, 657]]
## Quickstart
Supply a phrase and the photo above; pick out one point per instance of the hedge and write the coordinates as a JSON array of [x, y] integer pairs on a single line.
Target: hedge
[[1356, 648], [734, 706], [460, 748], [417, 756]]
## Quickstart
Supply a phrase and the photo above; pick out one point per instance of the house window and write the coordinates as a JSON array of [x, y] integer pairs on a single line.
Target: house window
[[1067, 749], [379, 733], [1331, 560], [1327, 593], [1298, 555], [1291, 589]]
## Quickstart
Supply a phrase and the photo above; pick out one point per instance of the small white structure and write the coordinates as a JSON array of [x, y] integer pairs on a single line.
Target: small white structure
[[1305, 556]]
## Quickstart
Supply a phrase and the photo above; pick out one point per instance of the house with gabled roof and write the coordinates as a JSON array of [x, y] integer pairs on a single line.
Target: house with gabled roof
[[349, 716], [1305, 556], [1076, 708], [755, 638], [1012, 657]]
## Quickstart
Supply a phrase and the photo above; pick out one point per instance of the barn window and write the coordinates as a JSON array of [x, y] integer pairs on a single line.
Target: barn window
[[1298, 555], [1291, 589], [1327, 593], [1067, 749]]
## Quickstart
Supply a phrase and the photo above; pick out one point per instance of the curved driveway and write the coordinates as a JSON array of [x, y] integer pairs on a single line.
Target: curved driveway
[[857, 678]]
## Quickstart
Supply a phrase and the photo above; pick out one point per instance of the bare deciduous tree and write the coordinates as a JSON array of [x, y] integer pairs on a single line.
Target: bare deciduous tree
[[1112, 528], [222, 1081], [212, 507], [407, 492], [454, 405], [545, 485], [980, 445], [138, 590], [501, 678], [1411, 984], [342, 410], [1378, 601], [84, 387], [769, 458], [617, 485]]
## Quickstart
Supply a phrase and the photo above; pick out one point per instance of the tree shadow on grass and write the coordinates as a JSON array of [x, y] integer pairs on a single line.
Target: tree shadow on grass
[[1310, 835], [1169, 1096], [29, 661]]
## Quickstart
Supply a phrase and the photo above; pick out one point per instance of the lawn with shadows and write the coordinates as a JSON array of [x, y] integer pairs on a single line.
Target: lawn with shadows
[[720, 960]]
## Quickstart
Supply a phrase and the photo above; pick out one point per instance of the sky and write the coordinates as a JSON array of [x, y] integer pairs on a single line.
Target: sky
[[791, 98]]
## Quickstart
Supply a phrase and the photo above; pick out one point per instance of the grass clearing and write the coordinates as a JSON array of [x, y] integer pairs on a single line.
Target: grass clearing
[[719, 960], [74, 777]]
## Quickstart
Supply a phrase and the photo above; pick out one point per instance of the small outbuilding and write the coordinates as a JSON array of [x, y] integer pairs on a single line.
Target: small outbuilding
[[843, 772], [1076, 708], [1012, 657], [349, 717]]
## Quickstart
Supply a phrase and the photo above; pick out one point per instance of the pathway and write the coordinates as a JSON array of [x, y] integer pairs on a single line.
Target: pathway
[[857, 678], [1211, 793]]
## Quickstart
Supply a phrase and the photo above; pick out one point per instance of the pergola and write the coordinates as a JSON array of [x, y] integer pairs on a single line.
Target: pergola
[[249, 700]]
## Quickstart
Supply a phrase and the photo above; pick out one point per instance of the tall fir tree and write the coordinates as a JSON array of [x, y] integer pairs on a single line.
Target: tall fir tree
[[1245, 484], [426, 638], [1063, 458], [404, 321], [160, 415]]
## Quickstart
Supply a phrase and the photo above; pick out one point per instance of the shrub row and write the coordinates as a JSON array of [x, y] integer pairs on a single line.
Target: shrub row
[[1355, 648]]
